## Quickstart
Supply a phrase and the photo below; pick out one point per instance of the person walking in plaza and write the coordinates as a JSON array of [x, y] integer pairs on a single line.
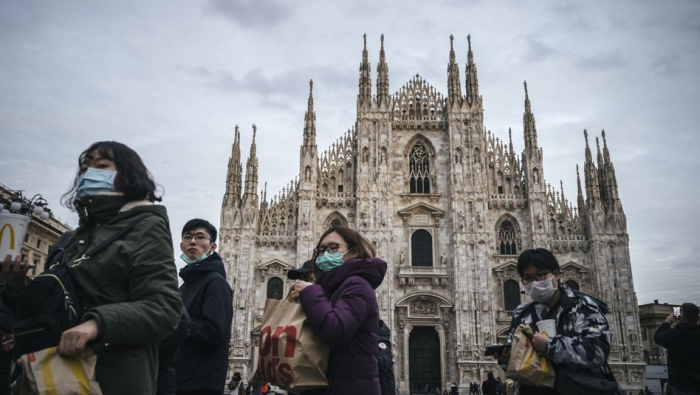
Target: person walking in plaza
[[488, 387], [385, 359], [584, 341], [500, 387], [207, 296], [129, 290], [682, 341], [342, 309]]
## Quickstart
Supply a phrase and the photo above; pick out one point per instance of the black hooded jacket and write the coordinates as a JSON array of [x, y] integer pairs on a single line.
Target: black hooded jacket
[[683, 345], [385, 360], [207, 296]]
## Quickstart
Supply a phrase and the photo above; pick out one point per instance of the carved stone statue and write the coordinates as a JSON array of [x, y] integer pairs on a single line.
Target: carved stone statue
[[443, 259]]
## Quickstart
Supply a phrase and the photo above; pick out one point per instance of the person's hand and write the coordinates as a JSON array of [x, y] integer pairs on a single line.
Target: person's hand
[[539, 342], [14, 272], [73, 340], [298, 287], [670, 319]]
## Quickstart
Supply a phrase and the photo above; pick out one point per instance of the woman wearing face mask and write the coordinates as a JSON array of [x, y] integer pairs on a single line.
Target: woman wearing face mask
[[342, 309], [582, 341], [129, 290]]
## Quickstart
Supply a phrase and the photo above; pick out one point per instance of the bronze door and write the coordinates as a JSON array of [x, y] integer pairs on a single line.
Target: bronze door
[[424, 360]]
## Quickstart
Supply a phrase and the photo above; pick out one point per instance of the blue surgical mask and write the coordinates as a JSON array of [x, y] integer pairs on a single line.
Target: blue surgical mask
[[189, 261], [330, 260], [95, 182]]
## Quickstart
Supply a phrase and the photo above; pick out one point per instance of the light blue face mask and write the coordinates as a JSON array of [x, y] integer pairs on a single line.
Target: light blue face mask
[[330, 260], [189, 261], [95, 182]]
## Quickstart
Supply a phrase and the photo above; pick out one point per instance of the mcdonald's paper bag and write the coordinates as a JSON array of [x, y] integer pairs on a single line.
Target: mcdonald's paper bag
[[290, 355], [46, 372], [525, 365], [13, 227]]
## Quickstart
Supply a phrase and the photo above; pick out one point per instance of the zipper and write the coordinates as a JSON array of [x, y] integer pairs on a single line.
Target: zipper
[[68, 302], [29, 332]]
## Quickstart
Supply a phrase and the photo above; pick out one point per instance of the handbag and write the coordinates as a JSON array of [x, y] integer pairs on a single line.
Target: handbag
[[49, 304], [46, 372], [586, 382], [290, 355], [525, 365]]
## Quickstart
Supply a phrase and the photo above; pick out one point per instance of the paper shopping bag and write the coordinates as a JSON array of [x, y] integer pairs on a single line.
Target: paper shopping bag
[[525, 365], [46, 372], [290, 355]]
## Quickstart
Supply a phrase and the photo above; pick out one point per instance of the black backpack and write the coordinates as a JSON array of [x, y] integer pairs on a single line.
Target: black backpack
[[49, 304]]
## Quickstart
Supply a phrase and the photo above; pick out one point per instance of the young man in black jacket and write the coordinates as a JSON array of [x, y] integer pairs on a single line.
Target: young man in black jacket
[[683, 345], [385, 360], [207, 296]]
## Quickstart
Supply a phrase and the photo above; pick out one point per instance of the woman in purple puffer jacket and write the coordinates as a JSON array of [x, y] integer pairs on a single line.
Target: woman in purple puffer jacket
[[342, 309]]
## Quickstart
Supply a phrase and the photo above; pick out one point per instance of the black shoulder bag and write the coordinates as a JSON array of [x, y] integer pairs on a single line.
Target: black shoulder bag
[[49, 304]]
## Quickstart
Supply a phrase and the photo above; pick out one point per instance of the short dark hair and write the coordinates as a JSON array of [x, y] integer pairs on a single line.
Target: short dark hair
[[540, 258], [353, 238], [133, 178], [200, 223], [690, 312]]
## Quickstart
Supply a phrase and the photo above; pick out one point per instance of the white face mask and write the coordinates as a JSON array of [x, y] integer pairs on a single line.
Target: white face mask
[[540, 291]]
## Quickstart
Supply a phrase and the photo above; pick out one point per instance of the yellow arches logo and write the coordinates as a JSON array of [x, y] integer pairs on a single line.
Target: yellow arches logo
[[12, 235]]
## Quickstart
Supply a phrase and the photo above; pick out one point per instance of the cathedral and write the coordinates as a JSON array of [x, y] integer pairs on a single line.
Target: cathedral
[[449, 206]]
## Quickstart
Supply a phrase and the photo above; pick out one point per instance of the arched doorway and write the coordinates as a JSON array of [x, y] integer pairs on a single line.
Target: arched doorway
[[424, 360]]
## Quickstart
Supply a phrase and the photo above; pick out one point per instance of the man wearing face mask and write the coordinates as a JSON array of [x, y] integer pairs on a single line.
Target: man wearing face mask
[[582, 339], [207, 296]]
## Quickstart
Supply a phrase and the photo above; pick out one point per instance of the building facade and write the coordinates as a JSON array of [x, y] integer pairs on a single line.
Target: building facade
[[449, 206], [41, 234], [651, 316]]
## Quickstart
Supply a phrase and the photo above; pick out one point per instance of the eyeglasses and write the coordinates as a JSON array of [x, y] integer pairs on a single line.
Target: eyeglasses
[[539, 276], [196, 236], [333, 247]]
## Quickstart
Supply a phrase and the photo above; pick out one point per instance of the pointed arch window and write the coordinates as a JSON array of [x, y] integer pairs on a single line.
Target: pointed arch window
[[419, 166], [421, 248], [507, 239], [275, 288], [511, 295]]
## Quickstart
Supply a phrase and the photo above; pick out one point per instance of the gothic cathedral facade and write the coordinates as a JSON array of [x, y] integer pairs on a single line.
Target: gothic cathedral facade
[[449, 206]]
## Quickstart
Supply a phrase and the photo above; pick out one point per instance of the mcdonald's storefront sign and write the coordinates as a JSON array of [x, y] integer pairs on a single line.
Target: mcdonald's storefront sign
[[11, 234]]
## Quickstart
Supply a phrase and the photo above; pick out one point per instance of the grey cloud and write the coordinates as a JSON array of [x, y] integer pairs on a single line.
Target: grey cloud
[[667, 65], [605, 60], [251, 13], [536, 50]]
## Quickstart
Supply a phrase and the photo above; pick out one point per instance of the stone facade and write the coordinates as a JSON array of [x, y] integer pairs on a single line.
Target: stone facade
[[651, 316], [449, 206], [41, 234]]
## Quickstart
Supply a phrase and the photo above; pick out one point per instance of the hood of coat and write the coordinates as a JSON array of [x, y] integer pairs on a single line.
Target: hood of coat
[[102, 209], [371, 269], [383, 334], [692, 330], [212, 263]]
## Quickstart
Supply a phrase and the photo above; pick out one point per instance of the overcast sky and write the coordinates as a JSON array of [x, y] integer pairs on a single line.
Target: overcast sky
[[171, 79]]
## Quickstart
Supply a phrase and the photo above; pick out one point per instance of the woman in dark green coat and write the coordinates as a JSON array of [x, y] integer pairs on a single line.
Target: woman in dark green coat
[[129, 290]]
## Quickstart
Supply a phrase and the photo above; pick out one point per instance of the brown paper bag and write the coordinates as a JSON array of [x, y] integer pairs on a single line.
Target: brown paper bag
[[46, 372], [290, 355], [525, 365]]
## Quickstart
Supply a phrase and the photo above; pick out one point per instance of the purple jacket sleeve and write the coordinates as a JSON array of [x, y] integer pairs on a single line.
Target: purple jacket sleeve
[[335, 324]]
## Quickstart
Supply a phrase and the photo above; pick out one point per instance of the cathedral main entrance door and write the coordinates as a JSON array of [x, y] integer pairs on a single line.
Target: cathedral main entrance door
[[424, 360]]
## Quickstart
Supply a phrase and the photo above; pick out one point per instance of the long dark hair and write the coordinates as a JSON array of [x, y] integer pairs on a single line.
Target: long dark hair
[[133, 178], [352, 238]]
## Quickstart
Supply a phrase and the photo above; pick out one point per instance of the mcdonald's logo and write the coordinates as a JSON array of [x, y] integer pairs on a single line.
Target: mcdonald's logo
[[12, 235]]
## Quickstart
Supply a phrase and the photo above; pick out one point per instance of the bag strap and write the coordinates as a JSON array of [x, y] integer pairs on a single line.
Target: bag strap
[[92, 251]]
